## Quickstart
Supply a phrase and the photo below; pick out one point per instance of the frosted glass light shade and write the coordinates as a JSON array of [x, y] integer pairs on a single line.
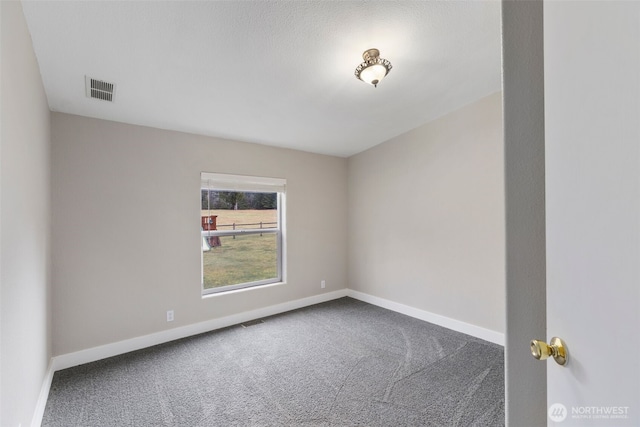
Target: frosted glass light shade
[[373, 74]]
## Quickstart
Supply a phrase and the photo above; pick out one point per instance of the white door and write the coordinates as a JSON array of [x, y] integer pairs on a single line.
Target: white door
[[592, 151]]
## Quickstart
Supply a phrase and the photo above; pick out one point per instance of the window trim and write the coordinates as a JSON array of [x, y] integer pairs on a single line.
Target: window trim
[[247, 184]]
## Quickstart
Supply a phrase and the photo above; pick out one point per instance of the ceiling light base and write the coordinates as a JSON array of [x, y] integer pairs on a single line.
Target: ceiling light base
[[370, 55]]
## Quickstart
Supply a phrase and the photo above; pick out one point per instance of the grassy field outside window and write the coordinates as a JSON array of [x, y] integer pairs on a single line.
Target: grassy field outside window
[[245, 258]]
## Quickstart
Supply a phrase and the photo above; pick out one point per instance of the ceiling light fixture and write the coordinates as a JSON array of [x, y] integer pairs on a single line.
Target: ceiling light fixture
[[374, 68]]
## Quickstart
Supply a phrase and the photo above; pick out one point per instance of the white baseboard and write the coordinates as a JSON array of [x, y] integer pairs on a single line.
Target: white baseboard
[[36, 421], [108, 350], [447, 322]]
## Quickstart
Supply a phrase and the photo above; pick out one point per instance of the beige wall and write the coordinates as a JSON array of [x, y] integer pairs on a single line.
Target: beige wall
[[24, 222], [426, 217], [126, 243]]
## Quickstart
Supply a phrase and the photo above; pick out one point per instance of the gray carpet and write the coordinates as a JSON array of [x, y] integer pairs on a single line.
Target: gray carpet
[[341, 363]]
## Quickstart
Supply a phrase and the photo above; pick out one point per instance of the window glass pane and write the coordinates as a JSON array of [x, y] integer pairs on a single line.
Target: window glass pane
[[238, 211], [253, 256], [243, 259]]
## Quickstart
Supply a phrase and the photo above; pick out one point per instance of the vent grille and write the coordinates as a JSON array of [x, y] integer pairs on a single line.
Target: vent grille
[[99, 89], [251, 323]]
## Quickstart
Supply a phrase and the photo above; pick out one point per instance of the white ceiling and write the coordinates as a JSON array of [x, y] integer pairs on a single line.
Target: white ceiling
[[271, 72]]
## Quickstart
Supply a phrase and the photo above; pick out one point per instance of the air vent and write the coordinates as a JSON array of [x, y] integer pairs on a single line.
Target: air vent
[[99, 89], [251, 323]]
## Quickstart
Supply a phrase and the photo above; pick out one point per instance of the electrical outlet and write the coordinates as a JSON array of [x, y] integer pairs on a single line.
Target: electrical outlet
[[322, 284], [169, 315]]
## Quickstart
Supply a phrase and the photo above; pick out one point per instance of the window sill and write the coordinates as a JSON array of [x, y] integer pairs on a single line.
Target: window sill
[[248, 289]]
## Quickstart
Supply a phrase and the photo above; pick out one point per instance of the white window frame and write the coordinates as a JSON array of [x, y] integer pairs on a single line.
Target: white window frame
[[247, 184]]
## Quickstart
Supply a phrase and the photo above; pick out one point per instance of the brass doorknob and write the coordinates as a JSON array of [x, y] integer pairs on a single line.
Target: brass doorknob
[[556, 349]]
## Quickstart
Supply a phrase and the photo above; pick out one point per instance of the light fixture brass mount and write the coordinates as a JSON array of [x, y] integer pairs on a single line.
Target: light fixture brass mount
[[370, 55]]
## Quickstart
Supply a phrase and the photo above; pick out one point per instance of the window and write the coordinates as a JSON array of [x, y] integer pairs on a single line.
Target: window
[[241, 226]]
